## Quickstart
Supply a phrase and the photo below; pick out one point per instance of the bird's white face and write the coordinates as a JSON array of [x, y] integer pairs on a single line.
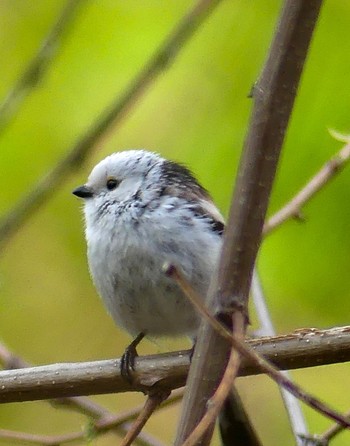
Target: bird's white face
[[119, 178]]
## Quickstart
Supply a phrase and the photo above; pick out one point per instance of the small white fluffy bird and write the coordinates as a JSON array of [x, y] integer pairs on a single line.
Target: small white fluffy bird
[[142, 212]]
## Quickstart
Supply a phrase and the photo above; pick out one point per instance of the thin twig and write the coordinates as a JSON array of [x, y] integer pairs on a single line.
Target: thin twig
[[25, 437], [99, 427], [39, 65], [144, 439], [293, 208], [333, 431], [312, 440], [245, 350], [292, 404], [280, 379], [108, 120], [106, 424], [152, 402]]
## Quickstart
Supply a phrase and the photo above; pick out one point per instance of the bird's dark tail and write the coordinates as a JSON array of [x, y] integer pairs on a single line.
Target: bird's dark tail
[[234, 424]]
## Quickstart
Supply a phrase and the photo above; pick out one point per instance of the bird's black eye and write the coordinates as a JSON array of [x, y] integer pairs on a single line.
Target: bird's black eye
[[112, 183]]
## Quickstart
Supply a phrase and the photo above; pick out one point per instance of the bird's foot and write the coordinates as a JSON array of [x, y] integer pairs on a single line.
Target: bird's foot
[[127, 363]]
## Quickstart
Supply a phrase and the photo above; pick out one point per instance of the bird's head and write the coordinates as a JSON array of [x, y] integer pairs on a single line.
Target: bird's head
[[121, 177]]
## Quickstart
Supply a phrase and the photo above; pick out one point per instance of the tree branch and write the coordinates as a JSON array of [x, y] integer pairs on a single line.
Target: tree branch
[[274, 97], [332, 432], [293, 208], [153, 401], [39, 65], [300, 349], [108, 120]]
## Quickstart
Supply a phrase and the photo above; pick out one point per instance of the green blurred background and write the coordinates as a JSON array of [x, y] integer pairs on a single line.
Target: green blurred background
[[197, 113]]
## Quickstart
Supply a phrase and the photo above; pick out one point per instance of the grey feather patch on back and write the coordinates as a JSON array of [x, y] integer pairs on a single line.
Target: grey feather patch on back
[[212, 216], [181, 183]]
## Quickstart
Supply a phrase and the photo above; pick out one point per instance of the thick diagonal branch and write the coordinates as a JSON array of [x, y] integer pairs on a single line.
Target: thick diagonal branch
[[274, 96]]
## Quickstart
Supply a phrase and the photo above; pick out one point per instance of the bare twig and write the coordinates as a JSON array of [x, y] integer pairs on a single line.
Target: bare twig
[[112, 116], [300, 349], [145, 439], [152, 403], [99, 427], [332, 432], [106, 424], [39, 65], [292, 404], [293, 208], [26, 438], [282, 380], [245, 350], [82, 405], [274, 97]]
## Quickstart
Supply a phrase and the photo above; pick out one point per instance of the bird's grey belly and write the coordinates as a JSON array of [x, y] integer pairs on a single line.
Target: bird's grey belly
[[128, 274], [141, 298]]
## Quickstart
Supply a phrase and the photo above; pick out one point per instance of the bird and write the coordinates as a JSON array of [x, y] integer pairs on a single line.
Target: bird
[[142, 212]]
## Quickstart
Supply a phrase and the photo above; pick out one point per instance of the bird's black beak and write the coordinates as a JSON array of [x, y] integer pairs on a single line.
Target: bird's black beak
[[83, 192]]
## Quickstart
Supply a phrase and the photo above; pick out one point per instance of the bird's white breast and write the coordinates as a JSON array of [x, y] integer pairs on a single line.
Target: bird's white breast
[[126, 255]]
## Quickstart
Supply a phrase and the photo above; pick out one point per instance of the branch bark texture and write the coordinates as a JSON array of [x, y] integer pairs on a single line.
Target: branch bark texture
[[300, 349], [274, 96]]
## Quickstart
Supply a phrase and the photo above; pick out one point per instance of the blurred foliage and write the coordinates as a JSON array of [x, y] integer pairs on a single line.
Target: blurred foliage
[[196, 113]]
